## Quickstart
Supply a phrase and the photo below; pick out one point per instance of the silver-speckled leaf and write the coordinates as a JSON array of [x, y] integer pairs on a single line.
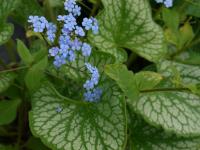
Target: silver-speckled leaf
[[5, 80], [146, 137], [190, 74], [6, 31], [174, 111], [64, 124], [129, 24]]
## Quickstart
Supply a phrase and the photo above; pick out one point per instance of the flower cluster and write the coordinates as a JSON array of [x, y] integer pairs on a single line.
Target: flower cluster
[[69, 42], [92, 93], [40, 24], [167, 3]]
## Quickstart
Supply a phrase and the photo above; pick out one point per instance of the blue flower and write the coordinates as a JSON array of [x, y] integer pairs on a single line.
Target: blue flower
[[61, 18], [86, 49], [76, 44], [95, 26], [69, 5], [79, 31], [64, 52], [59, 109], [89, 84], [91, 23], [94, 95], [38, 23], [51, 31], [64, 40], [87, 23], [54, 51], [72, 56], [76, 10], [70, 22], [59, 61], [167, 3]]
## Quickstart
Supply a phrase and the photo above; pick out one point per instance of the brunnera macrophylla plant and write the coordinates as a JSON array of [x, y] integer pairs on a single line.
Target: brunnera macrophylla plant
[[101, 75]]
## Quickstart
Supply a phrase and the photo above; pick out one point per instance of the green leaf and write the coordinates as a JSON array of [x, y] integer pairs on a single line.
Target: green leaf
[[193, 8], [124, 78], [186, 34], [171, 18], [79, 125], [6, 7], [189, 57], [147, 79], [173, 110], [24, 52], [190, 74], [129, 24], [5, 81], [8, 110], [35, 74], [6, 31], [146, 137]]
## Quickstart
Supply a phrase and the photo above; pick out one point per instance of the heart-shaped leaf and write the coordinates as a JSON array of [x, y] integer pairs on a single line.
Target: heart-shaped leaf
[[175, 111], [65, 124], [190, 74], [81, 125], [146, 137], [129, 24]]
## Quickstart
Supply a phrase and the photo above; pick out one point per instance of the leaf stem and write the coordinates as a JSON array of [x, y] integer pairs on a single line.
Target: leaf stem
[[14, 69]]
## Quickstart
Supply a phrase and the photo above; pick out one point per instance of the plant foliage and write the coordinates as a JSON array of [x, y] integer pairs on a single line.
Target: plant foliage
[[99, 75]]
